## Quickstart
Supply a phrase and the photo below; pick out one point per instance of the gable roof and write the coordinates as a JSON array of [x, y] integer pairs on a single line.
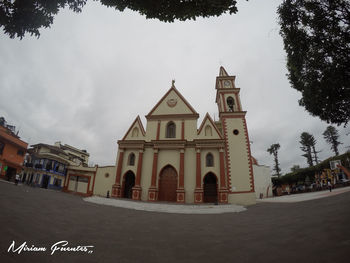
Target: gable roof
[[172, 103], [137, 123], [206, 119]]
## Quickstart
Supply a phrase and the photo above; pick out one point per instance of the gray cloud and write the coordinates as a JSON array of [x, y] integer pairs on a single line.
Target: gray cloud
[[86, 79]]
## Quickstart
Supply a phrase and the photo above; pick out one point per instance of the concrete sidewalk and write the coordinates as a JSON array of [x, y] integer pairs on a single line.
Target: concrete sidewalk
[[166, 207], [305, 196], [206, 208]]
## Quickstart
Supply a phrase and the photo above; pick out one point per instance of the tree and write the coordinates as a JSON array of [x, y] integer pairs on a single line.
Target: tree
[[316, 36], [18, 17], [331, 136], [305, 141], [308, 145], [273, 150], [295, 168]]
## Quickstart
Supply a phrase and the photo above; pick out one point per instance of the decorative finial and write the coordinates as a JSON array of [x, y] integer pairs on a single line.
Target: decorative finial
[[173, 83]]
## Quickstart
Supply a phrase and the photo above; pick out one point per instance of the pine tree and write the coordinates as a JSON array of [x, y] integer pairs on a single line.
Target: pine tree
[[306, 144], [274, 151], [331, 136]]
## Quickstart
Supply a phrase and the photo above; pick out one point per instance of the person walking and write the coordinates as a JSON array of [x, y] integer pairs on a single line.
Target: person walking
[[17, 179], [329, 186]]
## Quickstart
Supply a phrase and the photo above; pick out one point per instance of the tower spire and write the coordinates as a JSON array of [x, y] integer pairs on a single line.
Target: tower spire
[[222, 72]]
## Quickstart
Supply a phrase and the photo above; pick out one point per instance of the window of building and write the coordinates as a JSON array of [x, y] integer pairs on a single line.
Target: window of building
[[170, 130], [230, 103], [208, 131], [131, 159], [2, 146], [209, 160], [83, 179]]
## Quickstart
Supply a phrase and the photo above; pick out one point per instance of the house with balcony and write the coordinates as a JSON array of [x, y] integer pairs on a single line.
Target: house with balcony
[[46, 165]]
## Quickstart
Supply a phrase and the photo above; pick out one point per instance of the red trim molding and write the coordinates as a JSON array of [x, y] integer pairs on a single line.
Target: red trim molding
[[152, 191], [180, 192], [116, 187], [136, 190], [249, 156], [198, 192]]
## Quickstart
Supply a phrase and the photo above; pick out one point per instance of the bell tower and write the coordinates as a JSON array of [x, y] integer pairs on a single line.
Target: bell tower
[[238, 164]]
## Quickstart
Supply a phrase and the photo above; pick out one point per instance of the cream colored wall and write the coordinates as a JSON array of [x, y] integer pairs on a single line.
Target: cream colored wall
[[190, 130], [152, 127], [190, 174], [82, 187], [238, 156], [215, 169], [103, 183], [179, 108], [262, 181], [151, 130], [242, 199], [71, 185], [202, 135], [44, 149], [130, 134], [146, 174], [163, 124], [126, 167]]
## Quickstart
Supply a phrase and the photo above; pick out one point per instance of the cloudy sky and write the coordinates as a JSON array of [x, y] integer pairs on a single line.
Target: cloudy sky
[[86, 78]]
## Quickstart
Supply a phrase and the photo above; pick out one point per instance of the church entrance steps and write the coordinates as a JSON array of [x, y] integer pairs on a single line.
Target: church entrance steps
[[167, 208]]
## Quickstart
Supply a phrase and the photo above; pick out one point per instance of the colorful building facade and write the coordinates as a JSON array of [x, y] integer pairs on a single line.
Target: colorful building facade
[[172, 160], [46, 165], [12, 152]]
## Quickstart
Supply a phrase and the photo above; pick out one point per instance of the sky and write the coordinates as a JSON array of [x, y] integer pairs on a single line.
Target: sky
[[85, 80]]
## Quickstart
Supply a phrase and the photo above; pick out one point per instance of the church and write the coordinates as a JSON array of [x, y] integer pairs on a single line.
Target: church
[[175, 160]]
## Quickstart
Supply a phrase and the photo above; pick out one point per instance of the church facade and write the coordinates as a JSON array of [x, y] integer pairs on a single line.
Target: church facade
[[175, 161]]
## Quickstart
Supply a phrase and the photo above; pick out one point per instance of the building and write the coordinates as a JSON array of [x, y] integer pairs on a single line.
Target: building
[[46, 165], [262, 180], [12, 151], [173, 160]]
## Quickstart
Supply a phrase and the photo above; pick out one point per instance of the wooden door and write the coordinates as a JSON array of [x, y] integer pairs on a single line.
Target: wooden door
[[129, 184], [210, 189], [167, 185]]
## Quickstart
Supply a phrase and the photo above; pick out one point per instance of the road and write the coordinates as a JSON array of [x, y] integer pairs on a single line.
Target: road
[[311, 231]]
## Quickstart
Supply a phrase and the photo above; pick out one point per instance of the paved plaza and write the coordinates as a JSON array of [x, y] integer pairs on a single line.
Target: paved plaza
[[315, 230]]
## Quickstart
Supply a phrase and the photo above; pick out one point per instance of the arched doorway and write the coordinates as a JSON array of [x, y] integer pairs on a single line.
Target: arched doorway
[[210, 188], [129, 183], [167, 184]]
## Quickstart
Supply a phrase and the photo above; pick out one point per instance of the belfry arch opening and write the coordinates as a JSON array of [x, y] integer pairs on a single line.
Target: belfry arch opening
[[230, 103]]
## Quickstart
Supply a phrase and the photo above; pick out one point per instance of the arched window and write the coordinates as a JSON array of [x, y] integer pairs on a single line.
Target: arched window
[[135, 132], [209, 160], [208, 131], [230, 103], [131, 159], [170, 130]]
